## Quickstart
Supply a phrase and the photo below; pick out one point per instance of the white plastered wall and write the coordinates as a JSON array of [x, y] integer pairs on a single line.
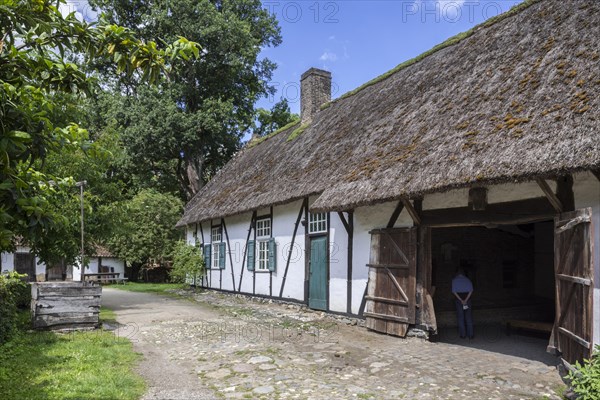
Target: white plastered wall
[[338, 263], [260, 283], [8, 263]]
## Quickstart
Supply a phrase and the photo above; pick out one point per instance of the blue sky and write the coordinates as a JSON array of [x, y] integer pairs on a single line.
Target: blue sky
[[358, 40]]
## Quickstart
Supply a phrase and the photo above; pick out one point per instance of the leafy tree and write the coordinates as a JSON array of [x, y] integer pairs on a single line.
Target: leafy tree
[[188, 264], [268, 121], [185, 130], [143, 228], [38, 87], [92, 164]]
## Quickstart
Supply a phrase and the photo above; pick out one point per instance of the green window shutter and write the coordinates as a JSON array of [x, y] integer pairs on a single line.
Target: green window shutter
[[250, 255], [222, 255], [272, 255], [207, 263]]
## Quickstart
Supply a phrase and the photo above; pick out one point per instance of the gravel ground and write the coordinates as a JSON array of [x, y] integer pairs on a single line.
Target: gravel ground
[[213, 346]]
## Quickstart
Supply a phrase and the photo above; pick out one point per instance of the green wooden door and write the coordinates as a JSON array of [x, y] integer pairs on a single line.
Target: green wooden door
[[317, 295]]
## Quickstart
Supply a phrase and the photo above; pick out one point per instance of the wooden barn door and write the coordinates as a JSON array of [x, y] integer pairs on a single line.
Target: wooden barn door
[[573, 261], [391, 297], [25, 264]]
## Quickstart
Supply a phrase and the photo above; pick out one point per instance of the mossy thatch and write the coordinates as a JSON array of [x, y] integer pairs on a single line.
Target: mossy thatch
[[297, 132], [513, 100], [261, 139]]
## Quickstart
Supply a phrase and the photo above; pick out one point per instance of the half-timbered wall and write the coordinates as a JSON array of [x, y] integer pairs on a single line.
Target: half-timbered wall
[[586, 190], [235, 234]]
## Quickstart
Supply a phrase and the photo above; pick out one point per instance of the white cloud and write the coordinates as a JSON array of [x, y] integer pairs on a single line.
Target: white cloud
[[81, 8], [331, 37], [328, 56]]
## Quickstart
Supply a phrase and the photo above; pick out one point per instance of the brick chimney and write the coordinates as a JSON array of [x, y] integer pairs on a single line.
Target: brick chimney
[[315, 90]]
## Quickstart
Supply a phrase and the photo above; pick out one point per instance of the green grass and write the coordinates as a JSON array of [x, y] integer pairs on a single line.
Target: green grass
[[79, 365], [107, 315], [159, 288]]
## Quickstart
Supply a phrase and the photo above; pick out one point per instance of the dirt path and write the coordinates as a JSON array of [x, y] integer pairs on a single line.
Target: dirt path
[[229, 347]]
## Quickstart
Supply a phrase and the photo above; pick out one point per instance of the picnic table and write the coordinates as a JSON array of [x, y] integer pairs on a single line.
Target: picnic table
[[103, 277]]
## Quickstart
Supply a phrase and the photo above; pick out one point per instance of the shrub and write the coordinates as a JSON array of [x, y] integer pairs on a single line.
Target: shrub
[[585, 380], [15, 293], [188, 263]]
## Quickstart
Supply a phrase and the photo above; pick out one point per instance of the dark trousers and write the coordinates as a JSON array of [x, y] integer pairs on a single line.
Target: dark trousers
[[464, 319]]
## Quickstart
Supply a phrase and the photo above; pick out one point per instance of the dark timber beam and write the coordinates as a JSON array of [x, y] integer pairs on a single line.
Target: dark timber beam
[[396, 214], [252, 219], [510, 213], [344, 222], [564, 192], [411, 210], [478, 198], [289, 259], [550, 195], [350, 254], [229, 251]]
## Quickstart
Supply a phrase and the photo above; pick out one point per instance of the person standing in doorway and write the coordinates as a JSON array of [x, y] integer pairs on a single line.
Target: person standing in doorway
[[462, 288]]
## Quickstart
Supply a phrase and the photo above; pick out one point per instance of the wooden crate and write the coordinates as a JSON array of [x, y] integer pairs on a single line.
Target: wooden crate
[[65, 306]]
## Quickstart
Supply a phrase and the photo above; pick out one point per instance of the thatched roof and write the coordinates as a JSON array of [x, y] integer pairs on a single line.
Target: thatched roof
[[102, 251], [514, 100]]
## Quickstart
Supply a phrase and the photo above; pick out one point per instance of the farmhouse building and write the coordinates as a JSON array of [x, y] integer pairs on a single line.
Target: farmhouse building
[[23, 261], [483, 154]]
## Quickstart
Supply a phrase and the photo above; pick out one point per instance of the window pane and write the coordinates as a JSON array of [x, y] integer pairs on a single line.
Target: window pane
[[215, 255], [263, 255], [263, 227], [216, 234], [317, 222]]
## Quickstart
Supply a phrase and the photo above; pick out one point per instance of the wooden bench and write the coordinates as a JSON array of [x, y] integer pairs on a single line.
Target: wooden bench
[[531, 326], [101, 277]]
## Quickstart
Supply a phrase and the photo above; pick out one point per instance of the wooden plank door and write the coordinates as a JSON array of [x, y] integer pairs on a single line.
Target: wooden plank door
[[25, 264], [573, 264], [317, 294], [391, 290]]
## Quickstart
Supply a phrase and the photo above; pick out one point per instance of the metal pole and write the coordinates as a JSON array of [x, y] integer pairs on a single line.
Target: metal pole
[[81, 185]]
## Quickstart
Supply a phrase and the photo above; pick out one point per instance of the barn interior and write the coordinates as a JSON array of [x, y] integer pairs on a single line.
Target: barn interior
[[512, 270]]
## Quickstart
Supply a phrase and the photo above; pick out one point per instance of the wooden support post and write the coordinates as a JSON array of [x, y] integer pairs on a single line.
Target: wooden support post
[[478, 199], [350, 254], [306, 252], [564, 192], [550, 195], [395, 214], [411, 210]]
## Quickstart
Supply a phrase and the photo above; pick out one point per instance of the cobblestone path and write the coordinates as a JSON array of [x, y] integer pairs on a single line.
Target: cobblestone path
[[223, 346]]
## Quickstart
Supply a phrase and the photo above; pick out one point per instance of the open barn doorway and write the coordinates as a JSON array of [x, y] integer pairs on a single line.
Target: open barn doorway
[[512, 271]]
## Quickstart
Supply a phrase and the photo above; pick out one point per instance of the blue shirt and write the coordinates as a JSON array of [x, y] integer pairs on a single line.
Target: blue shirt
[[461, 284]]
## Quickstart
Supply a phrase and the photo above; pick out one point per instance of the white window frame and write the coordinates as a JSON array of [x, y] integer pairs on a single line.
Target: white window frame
[[263, 235], [317, 223], [216, 238]]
